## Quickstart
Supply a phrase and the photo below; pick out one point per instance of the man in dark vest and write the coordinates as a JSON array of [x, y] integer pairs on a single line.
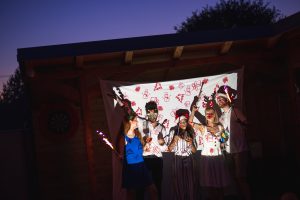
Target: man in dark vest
[[236, 148]]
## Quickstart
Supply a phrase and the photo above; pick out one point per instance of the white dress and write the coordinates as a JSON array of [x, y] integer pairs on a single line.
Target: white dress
[[213, 169]]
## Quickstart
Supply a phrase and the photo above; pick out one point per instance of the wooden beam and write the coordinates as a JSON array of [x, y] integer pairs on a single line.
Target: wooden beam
[[128, 57], [124, 72], [226, 47], [86, 120], [112, 71], [178, 52], [57, 75]]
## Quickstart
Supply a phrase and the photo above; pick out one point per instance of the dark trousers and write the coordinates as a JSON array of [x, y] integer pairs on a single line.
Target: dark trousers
[[155, 166]]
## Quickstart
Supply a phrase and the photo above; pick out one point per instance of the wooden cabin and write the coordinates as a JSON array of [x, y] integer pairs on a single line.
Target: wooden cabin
[[67, 105]]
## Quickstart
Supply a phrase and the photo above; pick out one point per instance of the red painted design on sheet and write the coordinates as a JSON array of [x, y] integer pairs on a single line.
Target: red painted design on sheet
[[180, 97], [188, 90], [139, 111], [157, 86], [155, 99], [138, 88], [133, 103], [181, 85], [167, 97], [187, 104], [146, 94]]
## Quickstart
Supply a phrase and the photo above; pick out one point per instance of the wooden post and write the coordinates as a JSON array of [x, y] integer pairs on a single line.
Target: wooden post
[[86, 119]]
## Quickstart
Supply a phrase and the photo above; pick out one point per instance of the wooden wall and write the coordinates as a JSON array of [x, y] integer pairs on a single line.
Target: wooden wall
[[80, 167], [62, 166]]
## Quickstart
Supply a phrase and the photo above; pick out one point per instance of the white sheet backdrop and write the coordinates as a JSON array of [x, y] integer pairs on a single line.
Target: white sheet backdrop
[[169, 96]]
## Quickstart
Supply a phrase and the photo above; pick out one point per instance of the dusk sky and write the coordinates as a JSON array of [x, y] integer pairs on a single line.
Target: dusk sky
[[30, 23]]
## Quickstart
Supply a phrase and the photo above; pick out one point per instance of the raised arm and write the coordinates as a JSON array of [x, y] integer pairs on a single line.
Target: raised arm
[[197, 114], [191, 120]]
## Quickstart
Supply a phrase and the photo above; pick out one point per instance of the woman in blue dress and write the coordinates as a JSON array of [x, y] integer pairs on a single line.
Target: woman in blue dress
[[135, 175]]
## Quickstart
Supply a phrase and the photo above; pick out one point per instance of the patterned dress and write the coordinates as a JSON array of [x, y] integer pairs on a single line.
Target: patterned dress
[[213, 169], [183, 178]]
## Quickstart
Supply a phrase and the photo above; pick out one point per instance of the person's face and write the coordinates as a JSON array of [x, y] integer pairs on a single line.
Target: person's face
[[183, 124], [210, 115], [222, 102], [133, 123], [152, 115]]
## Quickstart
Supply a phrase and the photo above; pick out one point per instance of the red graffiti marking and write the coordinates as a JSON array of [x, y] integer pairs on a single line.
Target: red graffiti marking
[[157, 86], [180, 97]]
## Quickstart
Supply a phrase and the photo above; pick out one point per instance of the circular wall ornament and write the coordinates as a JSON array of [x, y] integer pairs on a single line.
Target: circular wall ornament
[[58, 121]]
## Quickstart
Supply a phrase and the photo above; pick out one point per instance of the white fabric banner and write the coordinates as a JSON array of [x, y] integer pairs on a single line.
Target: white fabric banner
[[173, 95], [169, 96]]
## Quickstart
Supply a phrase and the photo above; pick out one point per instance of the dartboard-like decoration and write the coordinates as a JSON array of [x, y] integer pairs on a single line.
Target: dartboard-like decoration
[[58, 121]]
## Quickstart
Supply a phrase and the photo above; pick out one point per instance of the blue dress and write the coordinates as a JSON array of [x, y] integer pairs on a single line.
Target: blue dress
[[135, 172]]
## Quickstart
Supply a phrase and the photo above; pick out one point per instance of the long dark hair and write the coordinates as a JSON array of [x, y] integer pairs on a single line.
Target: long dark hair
[[189, 131], [126, 126]]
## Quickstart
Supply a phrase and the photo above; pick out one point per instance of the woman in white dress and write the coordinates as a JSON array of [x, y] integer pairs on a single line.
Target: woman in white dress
[[214, 174]]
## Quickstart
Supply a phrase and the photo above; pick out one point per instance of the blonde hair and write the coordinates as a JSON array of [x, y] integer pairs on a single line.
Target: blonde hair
[[216, 118]]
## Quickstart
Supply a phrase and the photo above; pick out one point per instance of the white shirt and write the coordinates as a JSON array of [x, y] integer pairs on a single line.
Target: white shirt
[[146, 129], [225, 121]]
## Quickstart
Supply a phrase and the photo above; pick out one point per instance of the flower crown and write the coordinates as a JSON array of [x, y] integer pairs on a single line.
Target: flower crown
[[183, 115]]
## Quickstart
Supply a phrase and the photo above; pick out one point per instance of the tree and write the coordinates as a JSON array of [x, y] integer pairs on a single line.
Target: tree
[[13, 90], [13, 105], [231, 13]]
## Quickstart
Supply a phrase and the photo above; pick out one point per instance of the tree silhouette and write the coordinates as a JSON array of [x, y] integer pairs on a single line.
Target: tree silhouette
[[13, 104], [13, 90], [231, 13]]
